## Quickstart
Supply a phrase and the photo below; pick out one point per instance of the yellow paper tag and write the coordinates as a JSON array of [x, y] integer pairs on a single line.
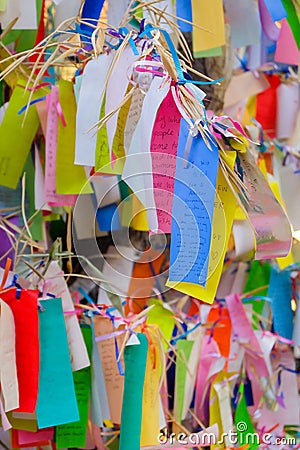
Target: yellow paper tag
[[139, 217], [210, 32], [70, 178], [225, 206], [250, 111], [263, 167], [150, 410], [16, 137], [287, 260], [239, 214]]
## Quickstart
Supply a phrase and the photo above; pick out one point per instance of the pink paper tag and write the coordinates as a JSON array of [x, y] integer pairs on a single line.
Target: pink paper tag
[[29, 437], [51, 196], [286, 50], [209, 353], [163, 152], [244, 331]]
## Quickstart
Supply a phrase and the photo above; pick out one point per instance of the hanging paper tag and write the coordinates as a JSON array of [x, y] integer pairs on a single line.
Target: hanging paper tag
[[243, 32], [114, 381], [242, 328], [57, 402], [193, 207], [88, 109], [116, 88], [139, 152], [70, 178], [224, 207], [9, 379], [151, 399], [56, 284], [184, 349], [208, 16], [17, 136], [135, 357], [273, 230], [74, 435], [280, 293], [24, 306], [163, 152], [51, 195], [99, 400], [243, 422]]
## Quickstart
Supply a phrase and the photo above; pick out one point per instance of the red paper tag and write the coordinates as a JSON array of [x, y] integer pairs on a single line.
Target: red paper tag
[[25, 312]]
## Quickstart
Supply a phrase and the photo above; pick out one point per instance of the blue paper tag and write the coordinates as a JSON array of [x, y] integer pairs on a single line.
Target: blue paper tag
[[193, 208]]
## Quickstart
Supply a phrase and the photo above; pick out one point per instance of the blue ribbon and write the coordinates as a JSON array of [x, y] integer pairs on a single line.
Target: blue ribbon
[[125, 31], [183, 335], [31, 103], [181, 77]]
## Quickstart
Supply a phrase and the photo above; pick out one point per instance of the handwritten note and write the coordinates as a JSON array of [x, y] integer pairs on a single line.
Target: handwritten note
[[74, 434], [56, 397], [118, 148], [163, 153], [225, 206], [17, 136], [193, 207], [289, 184], [114, 382], [133, 117], [139, 152], [142, 280], [273, 230], [51, 195]]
